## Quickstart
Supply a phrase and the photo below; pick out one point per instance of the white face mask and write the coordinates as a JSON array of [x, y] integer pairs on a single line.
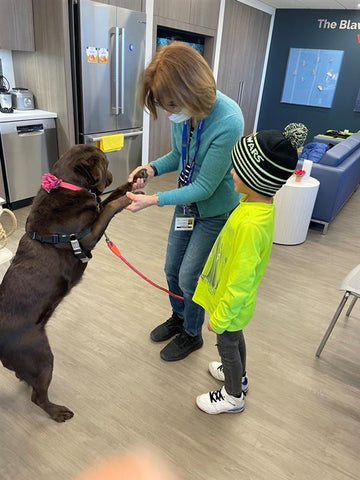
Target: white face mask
[[179, 117]]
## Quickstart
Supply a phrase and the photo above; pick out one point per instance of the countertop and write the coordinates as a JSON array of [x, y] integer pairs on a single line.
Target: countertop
[[25, 115]]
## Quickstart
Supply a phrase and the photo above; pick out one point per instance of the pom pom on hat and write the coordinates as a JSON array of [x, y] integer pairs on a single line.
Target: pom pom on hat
[[265, 160], [296, 133]]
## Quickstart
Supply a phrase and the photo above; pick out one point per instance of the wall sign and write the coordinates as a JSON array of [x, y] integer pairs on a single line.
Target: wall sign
[[343, 24]]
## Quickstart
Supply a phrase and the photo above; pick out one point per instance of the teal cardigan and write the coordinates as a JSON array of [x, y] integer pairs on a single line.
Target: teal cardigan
[[212, 186]]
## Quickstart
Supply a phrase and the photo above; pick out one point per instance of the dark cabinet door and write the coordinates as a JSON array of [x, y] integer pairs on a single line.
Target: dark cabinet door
[[16, 25], [205, 13], [173, 9], [242, 56]]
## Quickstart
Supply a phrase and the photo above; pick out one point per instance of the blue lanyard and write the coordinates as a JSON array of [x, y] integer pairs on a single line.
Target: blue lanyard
[[185, 148]]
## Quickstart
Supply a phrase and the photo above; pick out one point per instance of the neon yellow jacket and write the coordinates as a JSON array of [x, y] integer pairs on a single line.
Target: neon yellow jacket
[[228, 284]]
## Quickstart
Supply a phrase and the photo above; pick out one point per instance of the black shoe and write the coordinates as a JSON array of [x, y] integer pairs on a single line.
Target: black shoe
[[181, 346], [168, 329]]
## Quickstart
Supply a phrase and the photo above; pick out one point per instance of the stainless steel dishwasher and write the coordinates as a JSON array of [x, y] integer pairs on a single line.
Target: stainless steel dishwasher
[[28, 149]]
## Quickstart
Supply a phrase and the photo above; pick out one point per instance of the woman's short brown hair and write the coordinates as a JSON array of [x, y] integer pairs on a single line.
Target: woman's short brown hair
[[179, 73]]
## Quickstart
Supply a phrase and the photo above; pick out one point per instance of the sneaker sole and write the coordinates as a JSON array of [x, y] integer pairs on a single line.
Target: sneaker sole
[[238, 410]]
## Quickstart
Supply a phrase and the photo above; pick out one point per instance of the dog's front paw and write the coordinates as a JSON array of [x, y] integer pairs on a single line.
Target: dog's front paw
[[142, 174], [60, 414]]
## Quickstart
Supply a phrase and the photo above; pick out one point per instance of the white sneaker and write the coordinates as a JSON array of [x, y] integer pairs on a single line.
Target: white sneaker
[[217, 371], [219, 401]]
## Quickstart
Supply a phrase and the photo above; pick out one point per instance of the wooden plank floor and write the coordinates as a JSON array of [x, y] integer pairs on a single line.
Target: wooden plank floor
[[302, 419]]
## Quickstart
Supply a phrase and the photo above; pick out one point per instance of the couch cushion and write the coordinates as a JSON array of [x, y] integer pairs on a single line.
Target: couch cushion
[[337, 154]]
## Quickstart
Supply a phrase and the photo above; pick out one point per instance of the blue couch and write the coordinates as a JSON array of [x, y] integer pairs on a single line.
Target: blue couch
[[338, 172]]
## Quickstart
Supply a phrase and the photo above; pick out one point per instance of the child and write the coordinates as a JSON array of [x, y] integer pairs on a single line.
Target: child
[[228, 284]]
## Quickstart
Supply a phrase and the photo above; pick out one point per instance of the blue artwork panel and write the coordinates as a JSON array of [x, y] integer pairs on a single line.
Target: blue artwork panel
[[311, 76]]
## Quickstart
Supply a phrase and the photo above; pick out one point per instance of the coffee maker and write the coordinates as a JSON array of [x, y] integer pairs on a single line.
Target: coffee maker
[[5, 96]]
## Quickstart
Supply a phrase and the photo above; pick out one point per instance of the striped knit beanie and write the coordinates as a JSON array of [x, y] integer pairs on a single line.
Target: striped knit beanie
[[265, 160]]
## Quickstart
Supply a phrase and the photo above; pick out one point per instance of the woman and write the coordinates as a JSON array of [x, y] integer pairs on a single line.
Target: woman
[[205, 124]]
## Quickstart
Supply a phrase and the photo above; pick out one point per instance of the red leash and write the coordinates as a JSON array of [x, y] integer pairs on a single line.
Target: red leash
[[116, 251]]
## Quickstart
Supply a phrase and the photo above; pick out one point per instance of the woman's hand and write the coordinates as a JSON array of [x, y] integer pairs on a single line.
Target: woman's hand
[[139, 202], [140, 182]]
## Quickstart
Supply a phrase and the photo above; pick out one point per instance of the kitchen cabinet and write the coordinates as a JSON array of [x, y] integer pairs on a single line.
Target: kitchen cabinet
[[242, 56], [130, 4], [204, 13], [16, 25], [173, 9]]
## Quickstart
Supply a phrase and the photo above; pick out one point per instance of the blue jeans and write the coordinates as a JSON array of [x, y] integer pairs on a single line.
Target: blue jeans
[[186, 254]]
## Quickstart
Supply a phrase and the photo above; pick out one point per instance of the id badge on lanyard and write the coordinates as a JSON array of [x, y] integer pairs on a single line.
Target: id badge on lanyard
[[183, 223], [187, 221]]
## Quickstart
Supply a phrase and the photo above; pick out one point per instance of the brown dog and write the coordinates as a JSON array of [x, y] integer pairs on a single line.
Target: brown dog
[[65, 223]]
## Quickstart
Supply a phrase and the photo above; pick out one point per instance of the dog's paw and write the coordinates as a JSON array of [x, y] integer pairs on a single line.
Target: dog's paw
[[60, 413], [140, 174]]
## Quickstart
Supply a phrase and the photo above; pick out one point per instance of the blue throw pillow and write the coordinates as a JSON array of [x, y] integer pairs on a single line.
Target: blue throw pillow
[[313, 151]]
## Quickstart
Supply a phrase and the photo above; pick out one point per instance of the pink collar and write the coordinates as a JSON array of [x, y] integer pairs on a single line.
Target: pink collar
[[49, 181]]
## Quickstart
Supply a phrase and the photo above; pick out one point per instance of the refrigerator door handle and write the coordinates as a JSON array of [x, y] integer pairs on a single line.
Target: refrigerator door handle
[[117, 80], [114, 78], [122, 61]]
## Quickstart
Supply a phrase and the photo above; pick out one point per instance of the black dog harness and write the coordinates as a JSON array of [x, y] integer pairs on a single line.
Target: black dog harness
[[73, 239]]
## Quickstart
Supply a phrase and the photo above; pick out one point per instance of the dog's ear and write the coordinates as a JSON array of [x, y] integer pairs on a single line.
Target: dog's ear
[[93, 168], [87, 170], [101, 176]]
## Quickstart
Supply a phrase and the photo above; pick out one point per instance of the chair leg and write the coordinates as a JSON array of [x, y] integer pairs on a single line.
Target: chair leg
[[332, 323], [351, 306]]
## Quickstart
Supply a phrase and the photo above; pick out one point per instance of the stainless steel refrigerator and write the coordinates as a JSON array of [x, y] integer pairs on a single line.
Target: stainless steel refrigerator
[[108, 54]]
